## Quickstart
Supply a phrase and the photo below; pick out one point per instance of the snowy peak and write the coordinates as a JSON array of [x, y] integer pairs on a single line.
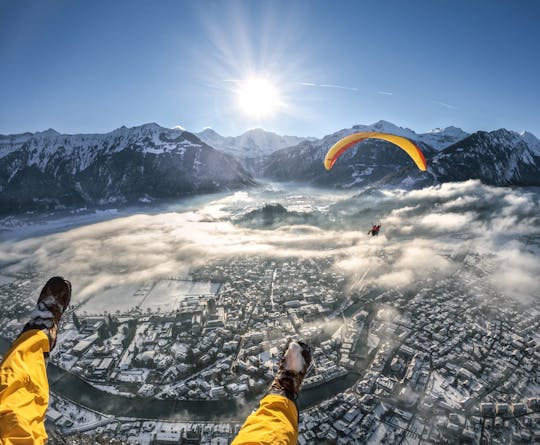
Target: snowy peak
[[212, 138], [50, 132], [387, 127], [440, 138], [449, 130], [82, 149], [500, 157], [210, 132], [532, 141], [251, 144], [437, 138]]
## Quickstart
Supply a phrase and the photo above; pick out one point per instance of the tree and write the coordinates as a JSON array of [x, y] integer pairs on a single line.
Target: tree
[[129, 332], [113, 325], [76, 321]]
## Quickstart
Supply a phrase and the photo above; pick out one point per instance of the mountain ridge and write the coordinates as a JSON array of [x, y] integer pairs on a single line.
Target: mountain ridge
[[49, 170], [379, 162], [253, 143]]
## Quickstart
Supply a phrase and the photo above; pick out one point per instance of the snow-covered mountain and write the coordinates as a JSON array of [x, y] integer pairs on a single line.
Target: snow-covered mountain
[[437, 138], [50, 170], [82, 149], [440, 138], [498, 157], [251, 144], [375, 160], [501, 157], [532, 141]]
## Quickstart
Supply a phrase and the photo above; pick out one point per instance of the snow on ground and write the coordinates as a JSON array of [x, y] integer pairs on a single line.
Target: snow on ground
[[75, 413], [167, 294], [67, 333], [372, 342], [125, 361], [445, 391], [121, 298], [378, 434]]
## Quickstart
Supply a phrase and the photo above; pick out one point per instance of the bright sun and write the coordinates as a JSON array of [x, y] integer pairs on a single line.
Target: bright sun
[[258, 97]]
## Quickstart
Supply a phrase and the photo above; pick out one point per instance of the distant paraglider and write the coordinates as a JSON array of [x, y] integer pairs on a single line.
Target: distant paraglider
[[374, 231], [347, 142]]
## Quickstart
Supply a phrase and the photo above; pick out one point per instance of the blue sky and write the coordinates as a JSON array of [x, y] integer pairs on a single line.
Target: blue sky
[[92, 66]]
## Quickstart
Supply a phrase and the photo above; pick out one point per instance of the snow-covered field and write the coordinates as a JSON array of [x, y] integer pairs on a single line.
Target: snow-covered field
[[167, 294], [121, 298]]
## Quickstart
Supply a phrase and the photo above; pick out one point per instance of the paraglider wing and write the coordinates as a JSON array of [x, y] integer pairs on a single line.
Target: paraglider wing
[[347, 142]]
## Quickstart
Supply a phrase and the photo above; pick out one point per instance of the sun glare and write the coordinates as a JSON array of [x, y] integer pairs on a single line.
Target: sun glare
[[258, 97]]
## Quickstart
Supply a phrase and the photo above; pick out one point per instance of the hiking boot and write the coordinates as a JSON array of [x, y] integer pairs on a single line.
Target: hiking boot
[[52, 302], [292, 369]]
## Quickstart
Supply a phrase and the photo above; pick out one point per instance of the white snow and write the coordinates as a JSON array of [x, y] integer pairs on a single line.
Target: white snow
[[253, 143], [442, 138], [387, 127], [372, 341], [121, 298], [82, 149], [532, 141], [166, 295]]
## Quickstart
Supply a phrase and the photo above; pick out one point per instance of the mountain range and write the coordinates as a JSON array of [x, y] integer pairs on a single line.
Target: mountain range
[[253, 143], [499, 158], [48, 170]]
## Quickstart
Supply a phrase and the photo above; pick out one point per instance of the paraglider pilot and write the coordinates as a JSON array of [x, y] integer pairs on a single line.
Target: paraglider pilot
[[374, 231], [24, 387]]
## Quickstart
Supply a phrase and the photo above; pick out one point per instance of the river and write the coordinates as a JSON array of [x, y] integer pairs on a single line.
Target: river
[[70, 386]]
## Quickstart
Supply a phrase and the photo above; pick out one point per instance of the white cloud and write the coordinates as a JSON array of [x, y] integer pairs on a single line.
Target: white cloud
[[426, 233], [445, 105], [516, 272], [341, 87], [447, 221], [397, 279]]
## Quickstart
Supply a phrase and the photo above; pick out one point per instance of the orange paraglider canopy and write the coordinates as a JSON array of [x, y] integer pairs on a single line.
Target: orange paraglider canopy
[[348, 141]]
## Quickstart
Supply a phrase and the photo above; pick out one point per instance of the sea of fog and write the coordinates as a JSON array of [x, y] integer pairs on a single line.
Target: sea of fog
[[425, 233]]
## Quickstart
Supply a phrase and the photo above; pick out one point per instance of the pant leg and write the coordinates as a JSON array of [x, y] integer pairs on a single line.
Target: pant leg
[[24, 390], [274, 423]]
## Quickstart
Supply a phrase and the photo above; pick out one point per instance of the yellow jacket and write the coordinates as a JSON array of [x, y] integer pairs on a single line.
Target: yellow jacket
[[274, 423], [24, 390]]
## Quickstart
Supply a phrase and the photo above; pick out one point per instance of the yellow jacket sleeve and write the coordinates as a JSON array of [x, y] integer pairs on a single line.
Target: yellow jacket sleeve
[[24, 390], [274, 423]]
